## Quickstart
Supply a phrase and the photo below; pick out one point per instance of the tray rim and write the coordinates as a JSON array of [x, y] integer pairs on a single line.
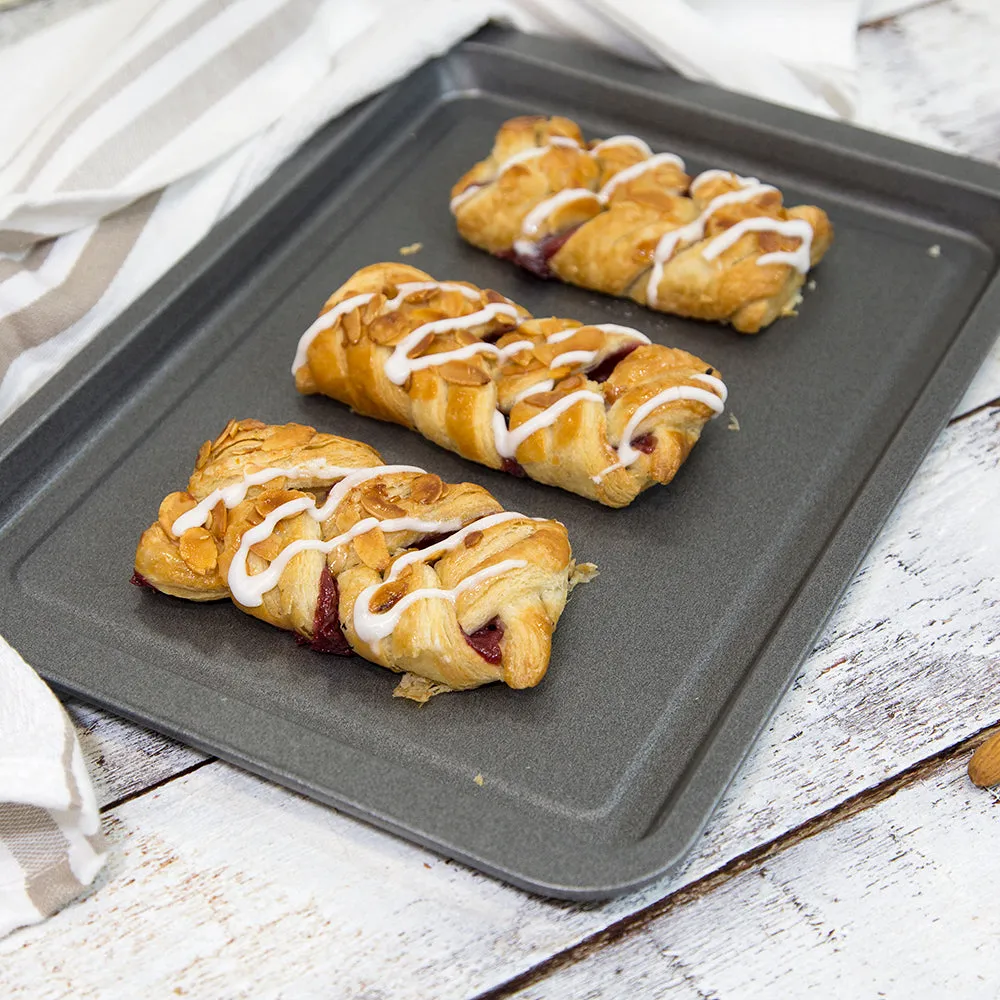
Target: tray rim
[[781, 654]]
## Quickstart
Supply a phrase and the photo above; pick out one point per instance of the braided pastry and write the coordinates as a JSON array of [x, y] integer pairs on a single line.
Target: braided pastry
[[430, 579], [597, 410], [614, 217]]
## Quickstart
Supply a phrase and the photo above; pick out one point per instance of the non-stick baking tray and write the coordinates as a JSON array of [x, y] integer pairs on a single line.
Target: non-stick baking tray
[[711, 590]]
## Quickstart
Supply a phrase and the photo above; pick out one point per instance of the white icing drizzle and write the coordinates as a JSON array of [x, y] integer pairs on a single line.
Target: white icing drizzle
[[574, 358], [547, 385], [624, 331], [399, 365], [463, 196], [508, 441], [408, 288], [371, 626], [325, 322], [452, 541], [637, 169], [235, 493], [524, 245], [531, 153], [561, 335], [694, 231], [717, 384], [709, 175], [329, 318], [543, 209], [249, 590], [798, 258], [626, 140], [626, 453], [355, 478]]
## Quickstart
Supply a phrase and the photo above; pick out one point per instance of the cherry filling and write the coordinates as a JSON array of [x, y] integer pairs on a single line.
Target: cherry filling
[[603, 371], [140, 581], [486, 641], [537, 261], [646, 443], [513, 468], [327, 636]]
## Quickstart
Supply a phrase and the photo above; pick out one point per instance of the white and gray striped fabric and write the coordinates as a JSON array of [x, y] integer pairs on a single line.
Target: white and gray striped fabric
[[50, 838], [155, 120]]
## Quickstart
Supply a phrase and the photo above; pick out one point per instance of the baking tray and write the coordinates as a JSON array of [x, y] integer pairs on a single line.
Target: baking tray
[[712, 590]]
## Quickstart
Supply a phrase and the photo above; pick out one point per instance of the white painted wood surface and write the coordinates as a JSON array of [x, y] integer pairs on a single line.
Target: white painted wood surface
[[224, 885], [125, 759], [218, 869], [899, 900]]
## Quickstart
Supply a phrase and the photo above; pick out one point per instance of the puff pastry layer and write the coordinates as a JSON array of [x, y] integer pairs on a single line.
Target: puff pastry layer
[[312, 533], [597, 410], [617, 218]]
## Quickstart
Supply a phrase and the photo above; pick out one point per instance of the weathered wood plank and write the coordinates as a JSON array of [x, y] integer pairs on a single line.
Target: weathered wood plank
[[932, 76], [124, 759], [218, 870], [898, 900]]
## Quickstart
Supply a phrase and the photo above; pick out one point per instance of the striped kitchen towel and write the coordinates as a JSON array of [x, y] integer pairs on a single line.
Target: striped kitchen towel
[[51, 846], [150, 122]]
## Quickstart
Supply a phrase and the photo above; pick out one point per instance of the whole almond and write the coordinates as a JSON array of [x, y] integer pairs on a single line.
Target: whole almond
[[459, 373], [984, 768]]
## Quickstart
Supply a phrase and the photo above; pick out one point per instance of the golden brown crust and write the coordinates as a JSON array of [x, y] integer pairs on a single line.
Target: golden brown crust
[[455, 403], [609, 244], [431, 639]]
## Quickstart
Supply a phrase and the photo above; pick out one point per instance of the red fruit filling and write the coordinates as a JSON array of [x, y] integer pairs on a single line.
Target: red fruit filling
[[603, 371], [140, 581], [537, 261], [646, 443], [513, 468], [327, 634], [486, 641]]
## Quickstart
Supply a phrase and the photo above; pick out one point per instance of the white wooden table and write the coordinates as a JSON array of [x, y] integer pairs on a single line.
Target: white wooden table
[[852, 857]]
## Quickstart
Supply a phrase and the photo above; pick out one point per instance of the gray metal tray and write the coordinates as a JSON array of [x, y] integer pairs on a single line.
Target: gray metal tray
[[665, 669]]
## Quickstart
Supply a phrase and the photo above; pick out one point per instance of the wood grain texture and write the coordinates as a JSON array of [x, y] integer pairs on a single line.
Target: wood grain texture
[[932, 76], [896, 901], [125, 759], [219, 870]]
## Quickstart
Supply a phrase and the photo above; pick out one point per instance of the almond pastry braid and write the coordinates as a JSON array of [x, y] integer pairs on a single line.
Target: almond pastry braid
[[617, 218], [312, 533], [597, 410]]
